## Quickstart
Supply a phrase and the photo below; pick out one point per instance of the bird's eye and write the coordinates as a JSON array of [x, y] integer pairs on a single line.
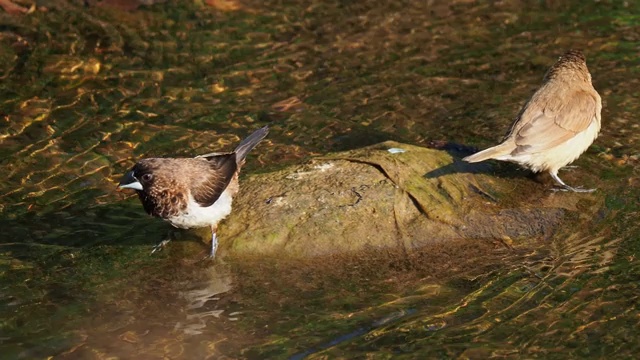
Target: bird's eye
[[147, 177]]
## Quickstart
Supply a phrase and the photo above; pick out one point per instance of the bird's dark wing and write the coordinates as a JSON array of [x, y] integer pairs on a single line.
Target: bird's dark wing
[[249, 143], [212, 182], [556, 123]]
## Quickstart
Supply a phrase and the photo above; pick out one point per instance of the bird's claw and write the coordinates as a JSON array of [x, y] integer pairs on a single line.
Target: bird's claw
[[578, 189], [569, 168], [208, 258], [160, 246]]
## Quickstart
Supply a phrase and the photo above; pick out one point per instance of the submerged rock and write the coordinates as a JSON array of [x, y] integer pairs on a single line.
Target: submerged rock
[[387, 195]]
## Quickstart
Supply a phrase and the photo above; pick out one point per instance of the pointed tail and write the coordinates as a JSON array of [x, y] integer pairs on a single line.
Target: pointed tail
[[490, 153], [249, 143]]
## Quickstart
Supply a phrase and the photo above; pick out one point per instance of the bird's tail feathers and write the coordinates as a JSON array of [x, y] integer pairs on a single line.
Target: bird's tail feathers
[[249, 143], [490, 153]]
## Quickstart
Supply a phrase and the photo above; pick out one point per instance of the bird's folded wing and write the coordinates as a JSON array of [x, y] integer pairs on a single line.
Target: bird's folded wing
[[558, 122], [210, 184]]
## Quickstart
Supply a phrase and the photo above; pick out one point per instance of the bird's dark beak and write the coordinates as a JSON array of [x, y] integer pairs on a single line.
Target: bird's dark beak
[[129, 181]]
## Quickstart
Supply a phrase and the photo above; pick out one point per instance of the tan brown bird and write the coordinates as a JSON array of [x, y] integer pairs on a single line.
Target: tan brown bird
[[191, 192], [558, 123]]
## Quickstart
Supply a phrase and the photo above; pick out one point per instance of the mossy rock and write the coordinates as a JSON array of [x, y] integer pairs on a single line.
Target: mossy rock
[[373, 198]]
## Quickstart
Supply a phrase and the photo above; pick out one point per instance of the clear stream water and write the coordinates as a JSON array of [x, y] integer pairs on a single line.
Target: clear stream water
[[87, 90]]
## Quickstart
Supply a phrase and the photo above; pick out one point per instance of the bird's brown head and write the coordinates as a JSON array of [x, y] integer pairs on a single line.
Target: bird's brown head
[[156, 181], [141, 177], [572, 65]]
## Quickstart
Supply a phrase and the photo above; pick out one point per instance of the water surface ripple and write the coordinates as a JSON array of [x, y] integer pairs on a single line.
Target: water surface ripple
[[89, 88]]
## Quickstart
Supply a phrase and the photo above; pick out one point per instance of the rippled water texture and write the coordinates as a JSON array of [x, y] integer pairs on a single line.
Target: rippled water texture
[[87, 90]]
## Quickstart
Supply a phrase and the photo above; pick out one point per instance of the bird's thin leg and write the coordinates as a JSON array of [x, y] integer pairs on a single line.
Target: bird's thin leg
[[566, 187], [214, 241]]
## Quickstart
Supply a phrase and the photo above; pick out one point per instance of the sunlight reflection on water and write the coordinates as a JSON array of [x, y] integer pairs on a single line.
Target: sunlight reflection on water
[[88, 91]]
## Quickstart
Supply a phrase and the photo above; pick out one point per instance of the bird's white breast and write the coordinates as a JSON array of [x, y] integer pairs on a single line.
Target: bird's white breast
[[198, 216]]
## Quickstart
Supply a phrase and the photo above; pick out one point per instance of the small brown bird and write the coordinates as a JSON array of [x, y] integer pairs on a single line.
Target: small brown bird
[[191, 192], [558, 123]]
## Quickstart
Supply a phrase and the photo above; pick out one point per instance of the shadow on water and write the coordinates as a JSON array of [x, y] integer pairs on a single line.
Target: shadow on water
[[88, 90]]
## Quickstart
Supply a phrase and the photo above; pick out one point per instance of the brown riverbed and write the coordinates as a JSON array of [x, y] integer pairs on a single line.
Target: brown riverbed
[[86, 90]]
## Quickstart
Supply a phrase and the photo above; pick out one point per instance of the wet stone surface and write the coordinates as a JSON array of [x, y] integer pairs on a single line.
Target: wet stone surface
[[374, 198]]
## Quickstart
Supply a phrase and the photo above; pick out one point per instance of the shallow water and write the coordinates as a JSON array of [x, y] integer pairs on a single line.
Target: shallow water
[[86, 91]]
